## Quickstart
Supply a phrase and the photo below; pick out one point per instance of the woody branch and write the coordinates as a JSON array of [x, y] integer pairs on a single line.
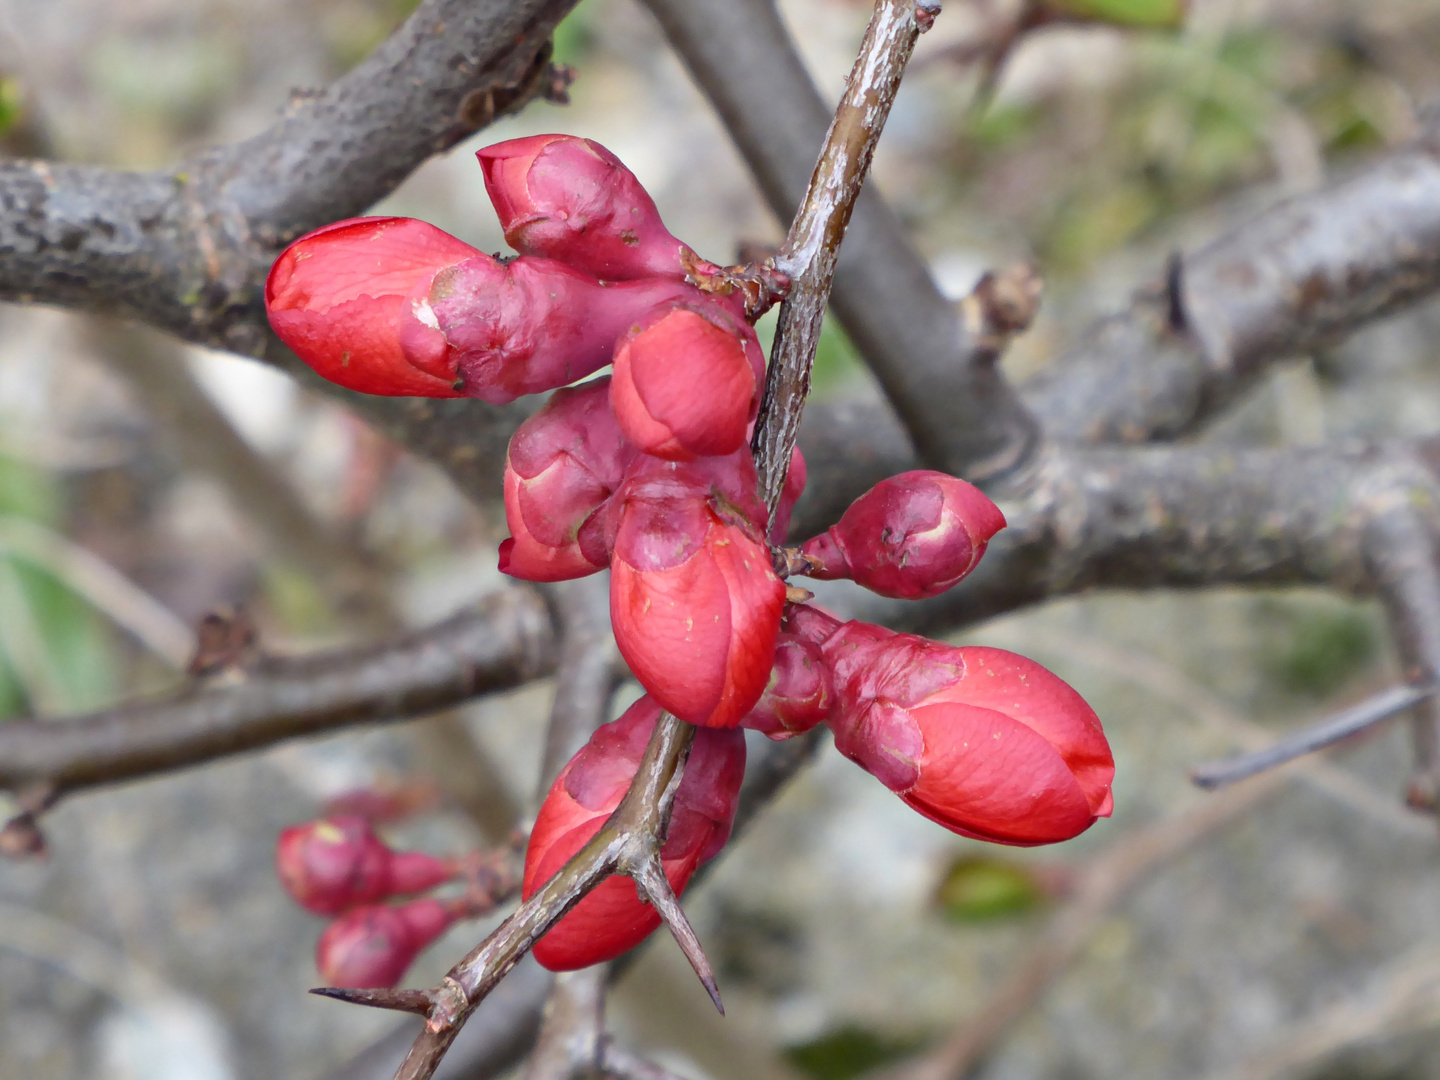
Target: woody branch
[[630, 841]]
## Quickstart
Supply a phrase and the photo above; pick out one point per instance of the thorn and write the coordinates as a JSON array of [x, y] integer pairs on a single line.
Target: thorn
[[412, 1001], [655, 887]]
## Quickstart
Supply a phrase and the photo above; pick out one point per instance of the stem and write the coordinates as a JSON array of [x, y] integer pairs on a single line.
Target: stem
[[813, 243], [629, 842]]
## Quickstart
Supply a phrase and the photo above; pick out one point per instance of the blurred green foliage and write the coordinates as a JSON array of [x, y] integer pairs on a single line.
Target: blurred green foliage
[[12, 103], [55, 652], [847, 1051], [836, 359], [981, 887], [572, 39], [295, 600], [1162, 13], [1318, 647], [1082, 170]]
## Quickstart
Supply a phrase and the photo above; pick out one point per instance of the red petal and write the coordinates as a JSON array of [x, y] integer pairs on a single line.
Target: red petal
[[993, 778]]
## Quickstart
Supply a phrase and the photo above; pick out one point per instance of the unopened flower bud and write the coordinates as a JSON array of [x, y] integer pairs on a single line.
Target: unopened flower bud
[[612, 918], [338, 863], [799, 694], [562, 466], [374, 946], [687, 381], [533, 324], [985, 742], [571, 199], [789, 495], [350, 300], [694, 600], [909, 537]]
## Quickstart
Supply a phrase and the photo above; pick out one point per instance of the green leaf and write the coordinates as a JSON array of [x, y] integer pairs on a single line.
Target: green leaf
[[847, 1051], [980, 887]]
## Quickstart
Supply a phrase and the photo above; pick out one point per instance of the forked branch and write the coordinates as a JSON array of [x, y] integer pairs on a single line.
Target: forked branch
[[629, 843]]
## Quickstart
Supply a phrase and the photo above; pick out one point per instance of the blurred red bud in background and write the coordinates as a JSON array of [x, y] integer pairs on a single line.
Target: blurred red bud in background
[[374, 946], [338, 862]]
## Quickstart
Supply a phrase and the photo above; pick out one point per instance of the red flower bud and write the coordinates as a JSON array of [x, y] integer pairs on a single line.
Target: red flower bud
[[908, 537], [694, 600], [562, 466], [338, 863], [687, 382], [571, 199], [799, 694], [532, 324], [373, 946], [789, 496], [986, 743], [613, 918], [350, 300]]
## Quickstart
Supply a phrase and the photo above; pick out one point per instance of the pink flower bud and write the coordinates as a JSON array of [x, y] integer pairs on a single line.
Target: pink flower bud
[[909, 537], [799, 694], [571, 199], [338, 863], [694, 600], [687, 381], [374, 946], [562, 466], [349, 299], [533, 324], [986, 743], [612, 918]]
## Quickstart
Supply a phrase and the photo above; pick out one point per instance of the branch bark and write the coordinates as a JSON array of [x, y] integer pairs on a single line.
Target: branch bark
[[1300, 275], [506, 641]]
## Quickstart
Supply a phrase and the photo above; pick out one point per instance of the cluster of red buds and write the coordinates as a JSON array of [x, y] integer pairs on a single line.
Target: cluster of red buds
[[339, 867], [648, 472]]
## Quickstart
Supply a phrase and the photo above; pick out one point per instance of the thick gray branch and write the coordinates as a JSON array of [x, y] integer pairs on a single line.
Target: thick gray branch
[[1300, 275]]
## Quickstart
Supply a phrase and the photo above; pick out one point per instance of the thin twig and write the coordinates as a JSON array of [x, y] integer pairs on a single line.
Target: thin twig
[[1316, 736], [1169, 683], [812, 245], [955, 404]]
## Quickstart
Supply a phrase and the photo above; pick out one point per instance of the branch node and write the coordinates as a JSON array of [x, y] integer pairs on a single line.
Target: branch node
[[1001, 306], [448, 1003]]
